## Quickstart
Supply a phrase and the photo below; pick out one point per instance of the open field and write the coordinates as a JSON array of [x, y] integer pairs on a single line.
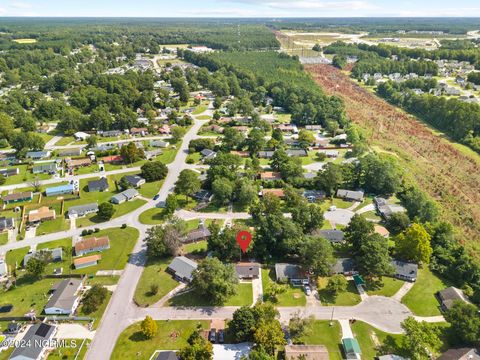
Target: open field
[[25, 41], [450, 176]]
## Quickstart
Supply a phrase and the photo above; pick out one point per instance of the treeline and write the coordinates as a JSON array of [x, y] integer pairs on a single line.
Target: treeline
[[282, 78], [458, 119], [474, 78], [389, 66]]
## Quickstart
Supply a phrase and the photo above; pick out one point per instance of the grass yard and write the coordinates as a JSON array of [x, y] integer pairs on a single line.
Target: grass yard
[[96, 315], [193, 158], [421, 297], [122, 242], [204, 117], [70, 353], [52, 226], [150, 189], [120, 210], [294, 296], [200, 109], [197, 247], [347, 298], [4, 238], [171, 334], [389, 288], [16, 256], [244, 296], [24, 175], [102, 280], [370, 338], [324, 334], [152, 216], [167, 156], [154, 274]]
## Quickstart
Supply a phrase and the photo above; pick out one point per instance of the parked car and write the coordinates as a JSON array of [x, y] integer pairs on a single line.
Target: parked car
[[212, 336], [221, 336], [156, 197], [308, 291]]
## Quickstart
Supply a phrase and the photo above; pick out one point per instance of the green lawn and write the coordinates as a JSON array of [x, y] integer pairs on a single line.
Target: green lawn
[[87, 197], [199, 109], [294, 296], [172, 334], [389, 288], [167, 156], [369, 338], [122, 242], [24, 175], [324, 334], [16, 256], [197, 247], [153, 216], [150, 189], [421, 297], [52, 226], [4, 238], [244, 296], [154, 273], [97, 314], [102, 280], [66, 263], [339, 203], [194, 158], [70, 353], [347, 298], [120, 210]]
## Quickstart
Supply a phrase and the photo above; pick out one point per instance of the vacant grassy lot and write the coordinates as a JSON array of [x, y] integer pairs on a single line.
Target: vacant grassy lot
[[244, 296], [367, 337], [153, 216], [347, 298], [324, 334], [150, 189], [294, 296], [3, 238], [70, 353], [97, 315], [120, 210], [154, 274], [389, 288], [171, 334], [421, 297], [51, 226]]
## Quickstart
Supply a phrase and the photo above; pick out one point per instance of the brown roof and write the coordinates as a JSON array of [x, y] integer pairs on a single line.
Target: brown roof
[[112, 158], [78, 162], [91, 243], [381, 230], [40, 214], [240, 153], [269, 175], [309, 352], [138, 130], [276, 192], [18, 196], [86, 259]]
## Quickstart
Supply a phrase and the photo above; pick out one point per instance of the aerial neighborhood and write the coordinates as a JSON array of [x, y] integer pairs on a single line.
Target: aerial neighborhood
[[186, 189]]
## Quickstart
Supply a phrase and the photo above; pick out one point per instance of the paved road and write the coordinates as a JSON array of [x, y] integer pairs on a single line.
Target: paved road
[[52, 146], [189, 215]]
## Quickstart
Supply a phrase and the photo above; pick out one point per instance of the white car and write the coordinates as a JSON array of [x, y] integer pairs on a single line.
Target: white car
[[307, 289]]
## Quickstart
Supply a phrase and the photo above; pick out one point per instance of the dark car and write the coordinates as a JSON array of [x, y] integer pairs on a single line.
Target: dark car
[[212, 335], [221, 336], [156, 197]]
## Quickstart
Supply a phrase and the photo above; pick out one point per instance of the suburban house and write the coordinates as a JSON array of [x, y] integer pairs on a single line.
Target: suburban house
[[345, 266], [41, 214], [37, 155], [109, 133], [55, 255], [208, 154], [275, 192], [182, 268], [98, 185], [385, 209], [297, 152], [135, 180], [125, 195], [9, 172], [307, 352], [113, 159], [92, 244], [86, 261], [351, 348], [290, 273], [18, 197], [158, 143], [332, 235], [80, 135], [448, 296], [6, 224], [40, 334], [405, 271], [461, 354], [77, 163], [164, 129], [50, 168], [330, 153], [203, 196], [166, 355], [313, 195], [248, 271], [350, 195], [270, 176], [138, 131], [202, 233], [70, 152], [59, 190], [82, 210], [265, 154], [151, 154], [65, 297]]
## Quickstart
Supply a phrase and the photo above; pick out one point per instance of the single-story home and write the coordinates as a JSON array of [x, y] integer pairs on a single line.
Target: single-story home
[[86, 261], [275, 192], [405, 271], [248, 270], [297, 152], [332, 235], [80, 135], [461, 354], [113, 159], [345, 266], [59, 190], [270, 176], [382, 230], [306, 352], [182, 268], [449, 296], [165, 129], [208, 154], [37, 155], [292, 273], [314, 195], [351, 348], [98, 185], [76, 163], [135, 180], [40, 334], [82, 210], [18, 197], [6, 223], [330, 153], [166, 355], [77, 151], [151, 154], [265, 154], [55, 255], [9, 172], [41, 214], [65, 298], [158, 143], [385, 209], [125, 195], [109, 133], [203, 196], [50, 168], [350, 195], [138, 131], [91, 244], [202, 233]]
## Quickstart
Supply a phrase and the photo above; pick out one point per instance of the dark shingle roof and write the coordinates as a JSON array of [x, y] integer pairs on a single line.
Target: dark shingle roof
[[36, 334]]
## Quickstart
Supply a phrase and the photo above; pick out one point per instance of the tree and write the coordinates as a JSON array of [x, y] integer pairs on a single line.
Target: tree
[[198, 348], [2, 179], [246, 192], [255, 141], [337, 284], [214, 280], [268, 335], [93, 299], [149, 327], [232, 139], [222, 190], [92, 141], [339, 61], [223, 244], [6, 126], [154, 171], [308, 216], [123, 184], [165, 240], [242, 325], [318, 255], [130, 153], [373, 258], [305, 138], [420, 338], [178, 133], [299, 327], [414, 244], [273, 290], [171, 204], [465, 323], [187, 183], [357, 231], [105, 211], [329, 178], [398, 222], [36, 266], [259, 353]]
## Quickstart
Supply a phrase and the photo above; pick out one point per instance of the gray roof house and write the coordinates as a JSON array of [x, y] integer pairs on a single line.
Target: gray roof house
[[334, 236], [202, 233], [345, 266], [350, 195], [268, 154], [405, 271], [290, 272], [37, 155], [125, 195], [37, 334], [182, 268], [82, 210], [158, 143], [65, 298], [297, 152], [55, 255], [166, 355], [98, 185], [208, 154], [135, 180], [50, 168], [448, 296], [6, 223], [248, 270]]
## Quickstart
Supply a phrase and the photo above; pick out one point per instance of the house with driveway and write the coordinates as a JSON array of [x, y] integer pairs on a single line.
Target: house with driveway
[[17, 197], [125, 195], [91, 244], [405, 271], [447, 297], [98, 185], [86, 261], [248, 271], [41, 334], [78, 211], [182, 268], [350, 195], [291, 273], [65, 297]]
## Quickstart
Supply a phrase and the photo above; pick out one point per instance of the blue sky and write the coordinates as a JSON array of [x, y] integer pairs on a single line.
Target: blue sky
[[239, 8]]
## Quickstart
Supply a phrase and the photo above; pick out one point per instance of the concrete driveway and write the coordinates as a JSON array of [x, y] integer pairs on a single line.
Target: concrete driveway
[[339, 216]]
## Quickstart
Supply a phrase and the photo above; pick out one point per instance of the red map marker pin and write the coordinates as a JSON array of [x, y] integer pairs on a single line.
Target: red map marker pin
[[243, 239]]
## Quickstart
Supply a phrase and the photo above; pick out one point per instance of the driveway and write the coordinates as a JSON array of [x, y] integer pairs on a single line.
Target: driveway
[[73, 331], [231, 351], [339, 216]]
